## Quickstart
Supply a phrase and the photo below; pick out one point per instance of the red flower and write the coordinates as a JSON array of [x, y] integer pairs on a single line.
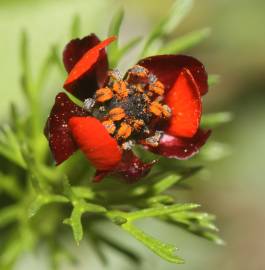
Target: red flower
[[156, 104]]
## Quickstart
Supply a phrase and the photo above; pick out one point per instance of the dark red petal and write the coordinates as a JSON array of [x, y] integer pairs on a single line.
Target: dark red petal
[[76, 48], [95, 142], [131, 168], [57, 130], [89, 72], [168, 67], [185, 102], [181, 148], [96, 77]]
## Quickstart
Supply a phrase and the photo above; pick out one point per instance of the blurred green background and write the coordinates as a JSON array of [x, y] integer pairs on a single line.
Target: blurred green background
[[232, 188]]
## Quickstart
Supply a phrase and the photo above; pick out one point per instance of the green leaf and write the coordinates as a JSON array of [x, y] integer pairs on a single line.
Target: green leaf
[[80, 207], [44, 71], [177, 13], [44, 199], [97, 248], [164, 250], [37, 180], [114, 30], [185, 42], [160, 199], [21, 240], [115, 24], [214, 151], [58, 253], [117, 55], [9, 214], [198, 223], [25, 63], [75, 27], [10, 186], [213, 120], [57, 59], [160, 211], [213, 79], [10, 146], [119, 247], [166, 183], [83, 192]]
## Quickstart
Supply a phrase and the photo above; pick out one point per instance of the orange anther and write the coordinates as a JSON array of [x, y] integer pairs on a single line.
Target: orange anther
[[146, 98], [138, 124], [109, 125], [139, 71], [139, 88], [124, 131], [156, 108], [157, 87], [104, 94], [116, 114], [120, 88]]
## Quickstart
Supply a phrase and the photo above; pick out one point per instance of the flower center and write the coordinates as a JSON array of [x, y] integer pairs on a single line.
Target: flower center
[[129, 107]]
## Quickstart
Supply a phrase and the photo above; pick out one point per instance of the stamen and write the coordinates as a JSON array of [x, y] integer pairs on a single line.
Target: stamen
[[166, 111], [128, 145], [157, 88], [109, 125], [119, 87], [130, 108], [117, 114], [138, 124], [114, 75], [154, 140], [89, 104], [104, 94], [156, 108], [124, 131]]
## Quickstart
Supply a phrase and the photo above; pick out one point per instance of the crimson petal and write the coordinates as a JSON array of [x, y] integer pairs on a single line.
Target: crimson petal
[[132, 168], [57, 130], [93, 79], [185, 102], [181, 148], [95, 142], [168, 67]]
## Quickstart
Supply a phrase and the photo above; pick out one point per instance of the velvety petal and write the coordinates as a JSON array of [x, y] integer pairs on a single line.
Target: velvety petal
[[181, 148], [57, 130], [185, 102], [95, 142], [76, 48], [130, 168], [168, 67], [89, 71]]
